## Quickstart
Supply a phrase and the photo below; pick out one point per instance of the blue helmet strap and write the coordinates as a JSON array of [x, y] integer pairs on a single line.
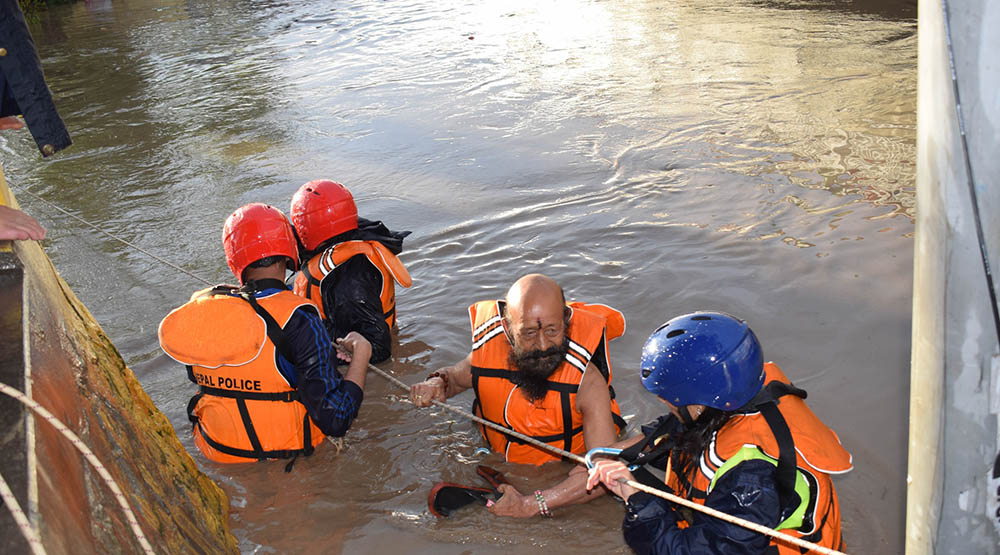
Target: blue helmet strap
[[766, 401]]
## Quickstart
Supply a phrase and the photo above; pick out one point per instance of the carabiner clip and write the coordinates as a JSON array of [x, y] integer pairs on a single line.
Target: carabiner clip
[[610, 451], [589, 458]]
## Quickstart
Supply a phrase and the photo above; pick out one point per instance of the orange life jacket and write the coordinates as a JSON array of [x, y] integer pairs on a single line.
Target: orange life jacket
[[818, 455], [309, 282], [554, 418], [245, 409]]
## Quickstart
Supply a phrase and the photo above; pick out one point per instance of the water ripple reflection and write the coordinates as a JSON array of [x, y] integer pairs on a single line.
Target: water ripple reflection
[[752, 156]]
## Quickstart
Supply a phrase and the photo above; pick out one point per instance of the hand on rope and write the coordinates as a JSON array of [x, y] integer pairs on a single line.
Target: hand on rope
[[617, 477], [434, 388], [347, 345], [614, 475], [629, 482]]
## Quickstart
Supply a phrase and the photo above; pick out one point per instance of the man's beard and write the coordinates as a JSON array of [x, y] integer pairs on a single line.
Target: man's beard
[[535, 367]]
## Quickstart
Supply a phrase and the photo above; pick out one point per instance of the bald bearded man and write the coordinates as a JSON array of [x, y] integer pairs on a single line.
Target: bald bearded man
[[541, 367]]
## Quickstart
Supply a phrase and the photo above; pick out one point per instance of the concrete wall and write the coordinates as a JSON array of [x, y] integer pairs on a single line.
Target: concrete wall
[[951, 495], [71, 368]]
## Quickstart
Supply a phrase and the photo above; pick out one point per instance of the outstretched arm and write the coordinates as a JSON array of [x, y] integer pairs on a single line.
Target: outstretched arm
[[331, 400], [458, 379], [593, 402]]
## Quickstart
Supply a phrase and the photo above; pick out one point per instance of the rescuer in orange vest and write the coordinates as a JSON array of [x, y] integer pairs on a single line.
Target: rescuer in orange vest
[[264, 364], [541, 367], [350, 266], [739, 439]]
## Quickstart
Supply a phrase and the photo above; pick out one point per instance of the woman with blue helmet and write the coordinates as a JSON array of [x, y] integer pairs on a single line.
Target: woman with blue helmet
[[739, 438]]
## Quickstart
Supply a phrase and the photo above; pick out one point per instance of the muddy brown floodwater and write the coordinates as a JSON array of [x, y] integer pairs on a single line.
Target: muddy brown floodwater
[[755, 157]]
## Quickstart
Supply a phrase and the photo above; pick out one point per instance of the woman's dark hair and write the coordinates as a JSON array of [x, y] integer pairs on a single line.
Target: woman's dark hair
[[691, 443]]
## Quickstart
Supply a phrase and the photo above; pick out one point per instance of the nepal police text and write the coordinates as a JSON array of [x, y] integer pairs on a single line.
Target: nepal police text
[[240, 384]]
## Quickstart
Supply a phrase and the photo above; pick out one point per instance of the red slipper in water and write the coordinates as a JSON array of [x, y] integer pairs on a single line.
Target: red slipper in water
[[447, 497]]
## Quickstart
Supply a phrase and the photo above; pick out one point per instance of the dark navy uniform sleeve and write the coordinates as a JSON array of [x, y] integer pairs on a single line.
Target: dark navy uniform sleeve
[[22, 85], [748, 491], [352, 302], [331, 401]]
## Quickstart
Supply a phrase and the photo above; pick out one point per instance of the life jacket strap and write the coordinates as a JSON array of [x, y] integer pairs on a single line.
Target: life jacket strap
[[766, 401], [247, 454], [647, 478], [638, 453], [620, 423], [772, 392], [274, 331], [191, 404], [251, 431], [281, 343], [786, 455], [566, 408], [309, 278], [283, 396], [566, 436], [307, 446]]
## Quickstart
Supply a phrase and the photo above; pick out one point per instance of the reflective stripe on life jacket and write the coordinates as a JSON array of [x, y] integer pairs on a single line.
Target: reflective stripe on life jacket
[[805, 487], [553, 419], [309, 282], [245, 410], [818, 454]]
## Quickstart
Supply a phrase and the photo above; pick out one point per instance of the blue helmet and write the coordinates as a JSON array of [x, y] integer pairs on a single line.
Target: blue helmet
[[703, 358]]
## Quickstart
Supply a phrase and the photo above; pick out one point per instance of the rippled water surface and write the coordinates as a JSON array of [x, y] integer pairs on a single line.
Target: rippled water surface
[[750, 156]]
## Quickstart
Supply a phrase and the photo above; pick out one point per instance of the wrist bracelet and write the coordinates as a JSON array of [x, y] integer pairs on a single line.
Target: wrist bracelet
[[444, 378], [542, 507]]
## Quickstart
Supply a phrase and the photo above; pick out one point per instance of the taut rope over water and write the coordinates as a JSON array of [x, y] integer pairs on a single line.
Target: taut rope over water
[[29, 533], [115, 237], [641, 487]]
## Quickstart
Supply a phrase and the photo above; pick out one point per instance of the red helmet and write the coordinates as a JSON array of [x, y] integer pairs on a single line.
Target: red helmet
[[257, 231], [322, 209]]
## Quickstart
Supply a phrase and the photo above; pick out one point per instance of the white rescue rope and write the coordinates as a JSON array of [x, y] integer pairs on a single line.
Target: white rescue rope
[[641, 487], [91, 458], [527, 439], [34, 542]]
